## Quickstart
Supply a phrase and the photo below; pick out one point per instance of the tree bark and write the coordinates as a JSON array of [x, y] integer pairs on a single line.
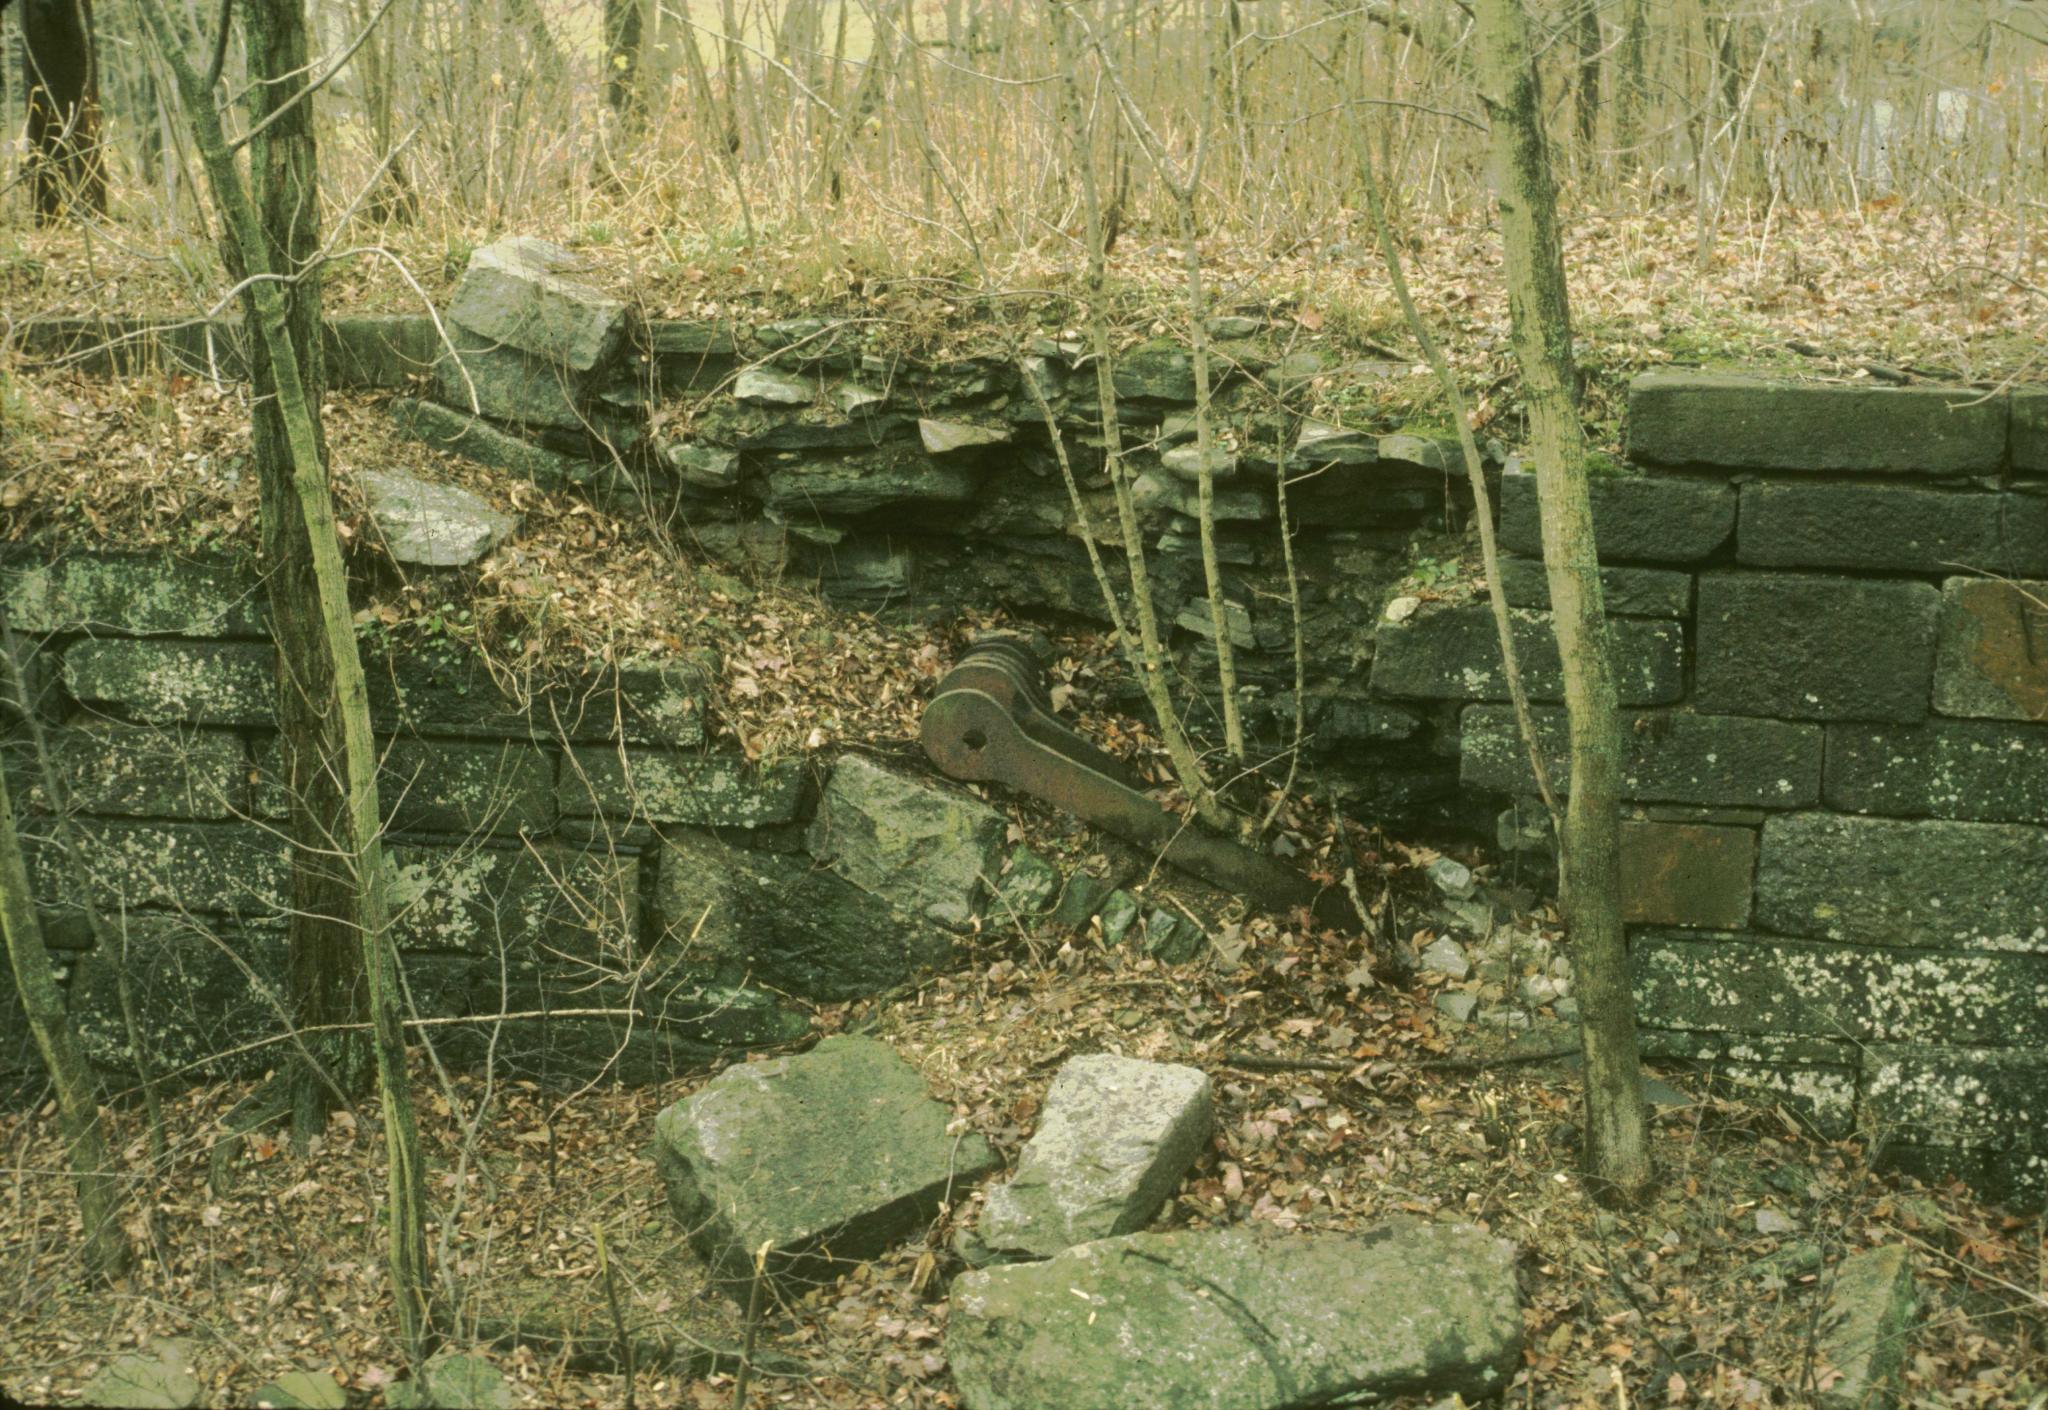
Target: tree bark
[[295, 488], [622, 28], [107, 1252], [60, 78], [1634, 106], [324, 966], [1586, 98], [1617, 1136]]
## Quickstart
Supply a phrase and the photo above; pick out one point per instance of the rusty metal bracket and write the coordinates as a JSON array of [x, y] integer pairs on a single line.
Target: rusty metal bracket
[[989, 722]]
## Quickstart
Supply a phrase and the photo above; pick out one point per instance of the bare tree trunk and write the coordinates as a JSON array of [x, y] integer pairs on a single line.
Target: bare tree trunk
[[60, 76], [1617, 1135], [1586, 97], [622, 27], [107, 1252], [1633, 110], [324, 965], [309, 589]]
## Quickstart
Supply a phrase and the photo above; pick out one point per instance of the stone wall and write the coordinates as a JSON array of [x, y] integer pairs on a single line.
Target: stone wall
[[1828, 623], [1833, 653]]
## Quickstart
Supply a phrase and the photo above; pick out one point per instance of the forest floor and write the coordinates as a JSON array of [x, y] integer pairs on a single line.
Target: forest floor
[[1706, 1294]]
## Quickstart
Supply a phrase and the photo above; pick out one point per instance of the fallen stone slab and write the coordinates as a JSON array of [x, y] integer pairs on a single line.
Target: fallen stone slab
[[1240, 1319], [157, 1379], [1116, 1136], [1864, 1331], [432, 526], [823, 1159], [302, 1390], [932, 850], [452, 1381], [459, 433]]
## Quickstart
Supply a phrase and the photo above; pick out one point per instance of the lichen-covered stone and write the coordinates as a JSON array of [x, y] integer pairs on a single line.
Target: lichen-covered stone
[[175, 682], [429, 525], [467, 786], [1880, 881], [159, 773], [1814, 1079], [1114, 1139], [1453, 653], [1687, 874], [1865, 1333], [767, 386], [1751, 984], [133, 594], [218, 868], [722, 914], [518, 293], [1027, 887], [447, 689], [1188, 462], [1957, 1096], [1240, 1319], [1991, 655], [932, 850], [1159, 370], [199, 989], [1980, 771], [1808, 647], [1716, 420], [556, 901], [823, 1160], [703, 790], [379, 351], [2028, 440], [1668, 757], [1891, 528], [1624, 591], [952, 437], [1634, 517]]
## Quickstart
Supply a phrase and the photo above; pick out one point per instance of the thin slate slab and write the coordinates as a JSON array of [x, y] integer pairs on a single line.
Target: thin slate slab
[[1115, 1139], [1240, 1319], [824, 1159]]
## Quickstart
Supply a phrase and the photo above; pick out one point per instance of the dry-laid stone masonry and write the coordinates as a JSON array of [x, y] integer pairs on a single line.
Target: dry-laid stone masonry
[[1830, 627]]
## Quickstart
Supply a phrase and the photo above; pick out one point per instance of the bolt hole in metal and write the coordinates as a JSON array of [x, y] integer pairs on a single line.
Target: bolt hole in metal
[[974, 739]]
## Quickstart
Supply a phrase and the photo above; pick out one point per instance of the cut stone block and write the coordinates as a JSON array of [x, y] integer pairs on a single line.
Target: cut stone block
[[1240, 1318], [1708, 419], [1991, 656], [703, 790], [1625, 592], [175, 682], [459, 433], [932, 850], [824, 1159], [198, 989], [1891, 528], [518, 292], [485, 378], [2029, 432], [1954, 1096], [467, 787], [139, 594], [1687, 874], [376, 352], [1453, 653], [1717, 761], [1634, 517], [432, 526], [1864, 1334], [159, 773], [1114, 1139], [1814, 1079], [1806, 647], [1982, 772], [1877, 881], [1763, 985], [727, 915]]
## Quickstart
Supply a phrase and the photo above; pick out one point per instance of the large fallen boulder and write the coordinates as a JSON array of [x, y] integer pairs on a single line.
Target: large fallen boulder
[[934, 851], [429, 525], [1240, 1319], [820, 1160], [1115, 1139]]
